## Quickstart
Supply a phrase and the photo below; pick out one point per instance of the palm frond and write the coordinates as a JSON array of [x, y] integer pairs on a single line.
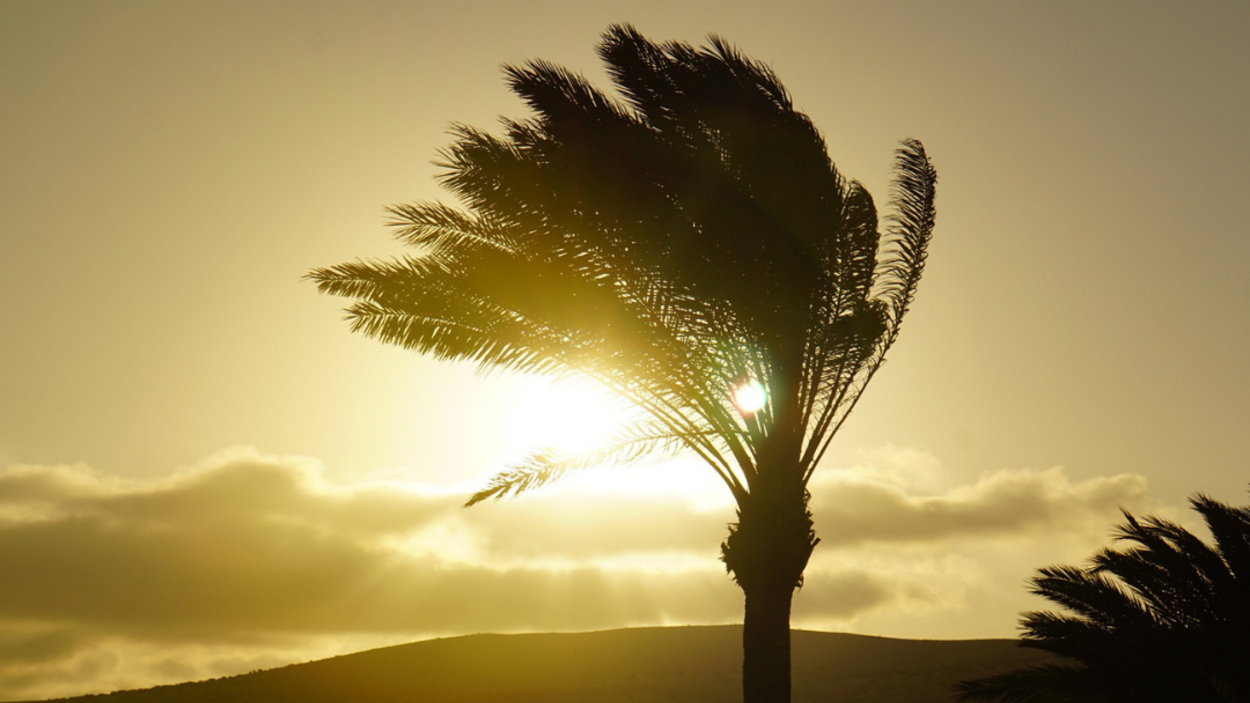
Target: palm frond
[[1093, 596], [438, 229], [1230, 527], [913, 215], [628, 446]]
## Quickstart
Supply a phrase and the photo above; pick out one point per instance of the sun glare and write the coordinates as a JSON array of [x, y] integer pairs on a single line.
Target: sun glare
[[576, 419], [749, 397], [563, 416]]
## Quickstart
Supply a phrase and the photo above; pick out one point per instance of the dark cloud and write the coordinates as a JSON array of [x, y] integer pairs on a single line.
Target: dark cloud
[[240, 487], [38, 644], [43, 661], [845, 594]]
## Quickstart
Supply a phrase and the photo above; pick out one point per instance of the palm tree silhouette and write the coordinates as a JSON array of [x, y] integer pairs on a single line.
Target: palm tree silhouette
[[675, 247], [1165, 620]]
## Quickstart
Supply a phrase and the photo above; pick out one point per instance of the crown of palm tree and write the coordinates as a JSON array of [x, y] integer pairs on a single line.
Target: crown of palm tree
[[670, 244]]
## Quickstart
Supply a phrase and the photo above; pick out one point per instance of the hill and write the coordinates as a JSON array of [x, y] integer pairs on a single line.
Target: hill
[[651, 665]]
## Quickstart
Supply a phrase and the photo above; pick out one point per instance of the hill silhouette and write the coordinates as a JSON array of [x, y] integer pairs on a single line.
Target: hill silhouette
[[651, 665]]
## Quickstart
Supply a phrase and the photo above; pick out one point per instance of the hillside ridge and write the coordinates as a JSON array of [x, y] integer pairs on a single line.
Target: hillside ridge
[[688, 664]]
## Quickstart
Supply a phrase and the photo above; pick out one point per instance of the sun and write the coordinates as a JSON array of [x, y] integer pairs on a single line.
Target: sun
[[750, 397], [564, 416]]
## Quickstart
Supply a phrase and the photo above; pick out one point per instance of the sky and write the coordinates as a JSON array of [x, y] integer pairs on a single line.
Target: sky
[[203, 472]]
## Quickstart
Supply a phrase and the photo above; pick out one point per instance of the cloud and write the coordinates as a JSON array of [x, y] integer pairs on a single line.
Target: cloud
[[35, 645], [248, 560], [256, 545], [852, 510], [946, 560], [249, 551], [570, 526]]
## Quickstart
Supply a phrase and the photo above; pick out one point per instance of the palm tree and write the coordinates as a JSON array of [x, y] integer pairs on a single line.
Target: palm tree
[[675, 246], [1167, 619]]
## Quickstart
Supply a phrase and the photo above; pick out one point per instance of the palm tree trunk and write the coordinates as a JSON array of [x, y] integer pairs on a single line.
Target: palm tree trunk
[[767, 551], [768, 548], [766, 646]]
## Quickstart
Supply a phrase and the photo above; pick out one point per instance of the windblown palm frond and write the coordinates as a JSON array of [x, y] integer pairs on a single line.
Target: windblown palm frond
[[1167, 619], [626, 446], [669, 245]]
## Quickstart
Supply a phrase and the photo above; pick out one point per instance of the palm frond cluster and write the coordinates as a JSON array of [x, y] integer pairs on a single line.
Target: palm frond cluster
[[670, 243], [1167, 619]]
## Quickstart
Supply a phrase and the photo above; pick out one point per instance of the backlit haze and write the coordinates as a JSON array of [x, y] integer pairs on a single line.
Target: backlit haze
[[202, 472]]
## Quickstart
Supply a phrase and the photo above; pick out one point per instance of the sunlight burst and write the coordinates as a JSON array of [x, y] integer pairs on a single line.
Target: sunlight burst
[[562, 416]]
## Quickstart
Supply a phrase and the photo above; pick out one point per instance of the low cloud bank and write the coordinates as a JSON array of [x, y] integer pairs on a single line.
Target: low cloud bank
[[248, 560]]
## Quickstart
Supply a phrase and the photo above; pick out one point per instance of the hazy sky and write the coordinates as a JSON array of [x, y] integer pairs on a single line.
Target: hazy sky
[[203, 472]]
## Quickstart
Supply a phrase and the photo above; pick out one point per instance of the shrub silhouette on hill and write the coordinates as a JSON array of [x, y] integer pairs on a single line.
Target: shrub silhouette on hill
[[1166, 620]]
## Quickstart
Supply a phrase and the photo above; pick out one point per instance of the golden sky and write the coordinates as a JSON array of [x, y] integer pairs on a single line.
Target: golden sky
[[203, 472]]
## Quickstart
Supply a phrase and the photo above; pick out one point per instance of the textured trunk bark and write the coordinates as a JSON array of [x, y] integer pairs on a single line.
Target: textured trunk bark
[[767, 551], [766, 646]]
